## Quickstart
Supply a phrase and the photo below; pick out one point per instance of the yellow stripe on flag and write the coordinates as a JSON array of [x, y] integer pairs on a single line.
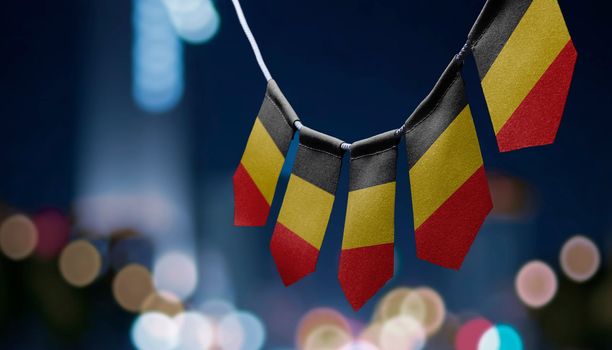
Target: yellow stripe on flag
[[370, 216], [263, 160], [535, 43], [305, 210], [446, 165]]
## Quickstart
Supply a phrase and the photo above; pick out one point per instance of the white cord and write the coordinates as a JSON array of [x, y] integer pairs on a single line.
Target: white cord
[[249, 34]]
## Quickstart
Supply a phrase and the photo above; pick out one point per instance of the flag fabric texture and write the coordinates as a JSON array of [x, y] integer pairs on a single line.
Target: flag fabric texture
[[307, 205], [525, 58], [261, 164], [450, 194], [366, 261]]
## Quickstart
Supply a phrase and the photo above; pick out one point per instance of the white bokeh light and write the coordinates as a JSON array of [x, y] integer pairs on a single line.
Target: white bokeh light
[[241, 330], [155, 331], [402, 332], [157, 56], [195, 331], [195, 21], [490, 340], [176, 272]]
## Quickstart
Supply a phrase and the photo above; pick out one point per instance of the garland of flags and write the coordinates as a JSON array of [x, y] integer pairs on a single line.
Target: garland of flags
[[525, 58]]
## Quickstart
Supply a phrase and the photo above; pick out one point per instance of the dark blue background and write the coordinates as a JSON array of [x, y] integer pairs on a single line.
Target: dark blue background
[[350, 68]]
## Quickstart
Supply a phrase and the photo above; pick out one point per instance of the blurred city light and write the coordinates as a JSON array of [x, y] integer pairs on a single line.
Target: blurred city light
[[509, 338], [490, 340], [163, 302], [131, 286], [469, 335], [371, 334], [216, 308], [155, 331], [536, 284], [108, 213], [391, 304], [580, 258], [360, 345], [80, 263], [512, 198], [500, 337], [327, 337], [53, 231], [196, 331], [195, 21], [241, 330], [176, 272], [401, 333], [18, 237], [231, 333], [317, 318], [157, 58], [434, 310]]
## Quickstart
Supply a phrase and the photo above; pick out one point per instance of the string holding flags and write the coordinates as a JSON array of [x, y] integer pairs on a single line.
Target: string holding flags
[[525, 59]]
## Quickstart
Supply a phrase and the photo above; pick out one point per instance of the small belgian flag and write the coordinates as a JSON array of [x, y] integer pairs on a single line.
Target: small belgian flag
[[261, 164], [450, 194], [525, 58], [307, 206], [366, 261]]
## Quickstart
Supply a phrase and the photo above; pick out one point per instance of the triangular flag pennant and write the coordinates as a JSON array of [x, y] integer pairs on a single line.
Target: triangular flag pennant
[[450, 194], [261, 164], [366, 261], [307, 205], [525, 59]]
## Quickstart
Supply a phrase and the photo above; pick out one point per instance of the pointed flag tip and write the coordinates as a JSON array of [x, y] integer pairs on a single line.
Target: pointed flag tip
[[294, 257], [364, 271]]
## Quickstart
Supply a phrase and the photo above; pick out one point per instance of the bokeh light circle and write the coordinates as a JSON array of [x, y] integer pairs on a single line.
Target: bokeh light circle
[[470, 333], [131, 286], [580, 258], [391, 304], [248, 325], [414, 306], [195, 331], [360, 345], [231, 334], [176, 272], [216, 308], [327, 337], [490, 340], [164, 302], [401, 333], [155, 331], [18, 237], [53, 232], [317, 318], [536, 284], [80, 263], [434, 310], [500, 337], [371, 334]]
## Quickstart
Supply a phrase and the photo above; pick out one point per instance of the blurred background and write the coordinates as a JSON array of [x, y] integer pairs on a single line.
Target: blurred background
[[122, 123]]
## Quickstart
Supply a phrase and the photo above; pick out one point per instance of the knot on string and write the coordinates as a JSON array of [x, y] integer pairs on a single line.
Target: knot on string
[[467, 47], [345, 145]]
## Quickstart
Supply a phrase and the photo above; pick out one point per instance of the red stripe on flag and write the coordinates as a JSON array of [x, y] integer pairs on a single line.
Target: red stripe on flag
[[447, 235], [536, 120], [294, 257], [364, 270], [250, 206]]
